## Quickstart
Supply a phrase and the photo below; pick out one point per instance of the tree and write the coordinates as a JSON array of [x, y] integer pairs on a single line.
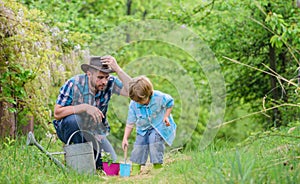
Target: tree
[[31, 58], [255, 42]]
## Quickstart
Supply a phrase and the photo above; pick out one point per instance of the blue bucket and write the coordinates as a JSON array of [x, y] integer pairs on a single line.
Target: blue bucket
[[125, 170]]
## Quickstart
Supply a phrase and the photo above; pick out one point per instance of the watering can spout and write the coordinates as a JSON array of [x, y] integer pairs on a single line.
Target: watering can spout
[[31, 141], [78, 156]]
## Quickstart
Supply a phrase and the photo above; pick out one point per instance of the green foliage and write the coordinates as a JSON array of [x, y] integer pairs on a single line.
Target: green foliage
[[106, 157], [16, 76], [245, 31], [248, 38], [269, 158], [32, 54], [27, 164], [85, 17]]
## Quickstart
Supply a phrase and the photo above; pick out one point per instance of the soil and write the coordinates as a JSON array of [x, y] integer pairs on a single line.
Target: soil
[[147, 171]]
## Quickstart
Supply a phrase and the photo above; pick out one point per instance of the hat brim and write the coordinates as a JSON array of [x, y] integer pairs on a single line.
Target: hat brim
[[85, 67]]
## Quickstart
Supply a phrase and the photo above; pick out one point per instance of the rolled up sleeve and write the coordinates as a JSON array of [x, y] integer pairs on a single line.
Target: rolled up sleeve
[[65, 96], [117, 85], [131, 118], [168, 101]]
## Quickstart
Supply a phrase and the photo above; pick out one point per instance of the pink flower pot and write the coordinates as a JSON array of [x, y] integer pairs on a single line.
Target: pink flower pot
[[112, 169]]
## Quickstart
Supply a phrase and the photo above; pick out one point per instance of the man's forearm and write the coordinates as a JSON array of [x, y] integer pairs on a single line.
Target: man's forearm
[[63, 111], [125, 78]]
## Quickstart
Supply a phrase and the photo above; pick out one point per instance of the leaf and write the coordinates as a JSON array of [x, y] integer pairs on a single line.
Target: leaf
[[11, 100], [12, 110]]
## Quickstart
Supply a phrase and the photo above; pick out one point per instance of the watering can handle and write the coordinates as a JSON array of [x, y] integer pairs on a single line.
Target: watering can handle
[[98, 149]]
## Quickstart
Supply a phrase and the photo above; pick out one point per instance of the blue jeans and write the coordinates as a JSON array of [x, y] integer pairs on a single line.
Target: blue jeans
[[150, 144], [107, 147], [66, 127]]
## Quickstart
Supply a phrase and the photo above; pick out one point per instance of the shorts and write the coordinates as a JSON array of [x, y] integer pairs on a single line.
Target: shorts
[[150, 144]]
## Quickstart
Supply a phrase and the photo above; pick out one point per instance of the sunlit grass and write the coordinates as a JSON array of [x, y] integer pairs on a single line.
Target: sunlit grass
[[267, 157]]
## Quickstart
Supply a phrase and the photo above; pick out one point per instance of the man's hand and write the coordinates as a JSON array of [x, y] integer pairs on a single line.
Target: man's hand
[[111, 62], [96, 114], [123, 76]]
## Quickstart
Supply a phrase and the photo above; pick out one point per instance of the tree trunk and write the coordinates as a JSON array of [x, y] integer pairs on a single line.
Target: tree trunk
[[276, 117], [128, 12], [129, 2], [7, 120], [29, 127], [299, 74], [283, 59]]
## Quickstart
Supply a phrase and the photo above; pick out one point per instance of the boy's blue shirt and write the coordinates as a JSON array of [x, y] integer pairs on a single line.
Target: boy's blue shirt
[[151, 116]]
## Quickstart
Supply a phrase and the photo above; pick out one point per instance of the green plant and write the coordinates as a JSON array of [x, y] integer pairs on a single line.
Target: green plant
[[106, 157], [32, 52]]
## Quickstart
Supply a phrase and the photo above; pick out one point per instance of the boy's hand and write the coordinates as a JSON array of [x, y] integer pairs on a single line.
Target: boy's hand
[[167, 122], [124, 144]]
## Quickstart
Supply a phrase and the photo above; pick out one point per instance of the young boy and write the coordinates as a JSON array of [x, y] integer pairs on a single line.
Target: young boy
[[150, 110]]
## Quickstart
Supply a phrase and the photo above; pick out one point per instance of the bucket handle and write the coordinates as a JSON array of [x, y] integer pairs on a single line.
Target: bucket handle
[[98, 149]]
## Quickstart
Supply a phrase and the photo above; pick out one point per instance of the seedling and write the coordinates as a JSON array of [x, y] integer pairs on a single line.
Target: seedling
[[106, 157]]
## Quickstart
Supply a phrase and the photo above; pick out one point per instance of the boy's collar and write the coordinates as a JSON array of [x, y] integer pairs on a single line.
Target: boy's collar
[[143, 105]]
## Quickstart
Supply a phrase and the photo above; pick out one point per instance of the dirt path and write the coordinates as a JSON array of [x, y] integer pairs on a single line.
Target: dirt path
[[147, 171]]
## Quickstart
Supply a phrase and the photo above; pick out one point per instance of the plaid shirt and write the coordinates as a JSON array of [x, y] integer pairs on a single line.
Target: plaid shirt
[[76, 91], [150, 116]]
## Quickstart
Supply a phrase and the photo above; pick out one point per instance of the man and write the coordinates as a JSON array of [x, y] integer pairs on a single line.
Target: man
[[83, 101]]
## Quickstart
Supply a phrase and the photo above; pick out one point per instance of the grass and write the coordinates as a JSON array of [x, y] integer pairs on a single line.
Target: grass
[[266, 157]]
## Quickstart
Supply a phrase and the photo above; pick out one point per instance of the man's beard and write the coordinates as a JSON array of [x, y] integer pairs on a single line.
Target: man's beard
[[97, 87], [100, 87]]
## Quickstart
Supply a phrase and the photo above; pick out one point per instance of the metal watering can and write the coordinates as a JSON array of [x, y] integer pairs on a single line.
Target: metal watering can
[[79, 157]]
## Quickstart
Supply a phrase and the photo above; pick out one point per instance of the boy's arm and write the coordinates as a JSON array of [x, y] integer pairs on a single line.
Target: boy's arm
[[128, 130], [167, 114], [168, 102]]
